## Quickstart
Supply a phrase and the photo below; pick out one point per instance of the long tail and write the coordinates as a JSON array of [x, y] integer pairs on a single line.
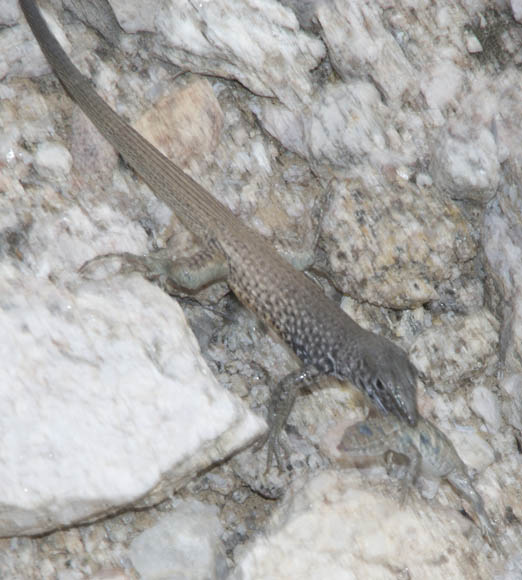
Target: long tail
[[191, 202]]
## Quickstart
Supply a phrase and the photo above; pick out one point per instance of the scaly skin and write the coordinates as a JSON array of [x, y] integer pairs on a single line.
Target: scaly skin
[[326, 339], [428, 450]]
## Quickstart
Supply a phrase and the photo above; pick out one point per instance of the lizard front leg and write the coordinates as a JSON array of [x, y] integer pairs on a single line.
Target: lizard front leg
[[281, 403], [407, 475]]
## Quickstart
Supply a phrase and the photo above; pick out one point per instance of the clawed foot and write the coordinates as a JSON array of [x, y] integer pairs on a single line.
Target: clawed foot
[[281, 403], [152, 267], [397, 469], [274, 448]]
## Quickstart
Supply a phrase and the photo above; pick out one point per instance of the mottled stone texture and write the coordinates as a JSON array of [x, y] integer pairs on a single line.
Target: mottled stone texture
[[393, 244], [378, 141]]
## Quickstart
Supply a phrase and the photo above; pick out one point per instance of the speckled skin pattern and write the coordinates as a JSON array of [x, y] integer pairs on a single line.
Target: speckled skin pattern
[[323, 336], [429, 452]]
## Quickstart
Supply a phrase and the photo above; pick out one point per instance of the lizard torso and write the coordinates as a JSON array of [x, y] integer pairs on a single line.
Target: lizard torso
[[321, 334]]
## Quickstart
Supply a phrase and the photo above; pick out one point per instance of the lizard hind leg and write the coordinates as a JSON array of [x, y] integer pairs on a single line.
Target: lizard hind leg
[[189, 274]]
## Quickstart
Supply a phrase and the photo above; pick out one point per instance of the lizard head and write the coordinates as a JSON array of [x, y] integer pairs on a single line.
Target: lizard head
[[384, 372]]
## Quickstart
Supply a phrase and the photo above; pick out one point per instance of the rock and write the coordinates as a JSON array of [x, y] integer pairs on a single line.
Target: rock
[[512, 406], [53, 159], [382, 248], [230, 39], [456, 348], [344, 526], [466, 164], [183, 545], [472, 448], [358, 40], [107, 402], [516, 7], [135, 16], [185, 123], [503, 239], [10, 13], [97, 14], [485, 404]]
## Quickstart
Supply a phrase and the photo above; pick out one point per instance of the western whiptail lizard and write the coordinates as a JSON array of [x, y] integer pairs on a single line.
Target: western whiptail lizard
[[326, 339]]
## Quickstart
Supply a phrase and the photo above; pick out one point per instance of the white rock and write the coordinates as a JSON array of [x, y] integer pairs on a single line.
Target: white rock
[[344, 122], [472, 43], [106, 401], [53, 159], [512, 406], [516, 7], [485, 404], [502, 247], [19, 54], [467, 166], [8, 144], [259, 43], [343, 527], [183, 545], [472, 448], [134, 15], [442, 84], [359, 44], [10, 12], [424, 180]]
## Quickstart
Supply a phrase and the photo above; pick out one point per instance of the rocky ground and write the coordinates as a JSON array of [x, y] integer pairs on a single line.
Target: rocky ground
[[376, 143]]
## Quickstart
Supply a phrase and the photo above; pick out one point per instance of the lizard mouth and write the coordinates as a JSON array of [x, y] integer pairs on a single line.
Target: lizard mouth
[[389, 400]]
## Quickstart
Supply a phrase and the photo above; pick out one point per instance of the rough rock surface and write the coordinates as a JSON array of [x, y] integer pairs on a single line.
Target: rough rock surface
[[406, 243], [379, 142], [344, 526]]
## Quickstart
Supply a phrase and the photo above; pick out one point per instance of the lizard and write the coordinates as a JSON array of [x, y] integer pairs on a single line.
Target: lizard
[[324, 337], [428, 452]]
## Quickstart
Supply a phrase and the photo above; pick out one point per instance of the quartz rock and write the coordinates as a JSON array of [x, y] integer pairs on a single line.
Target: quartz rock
[[54, 159], [512, 406], [184, 545], [466, 164], [357, 39], [516, 6], [10, 12], [107, 402], [258, 43], [134, 15], [344, 526], [473, 449], [485, 404]]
